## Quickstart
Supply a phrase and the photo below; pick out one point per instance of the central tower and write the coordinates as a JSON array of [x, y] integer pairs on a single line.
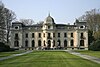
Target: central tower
[[48, 31]]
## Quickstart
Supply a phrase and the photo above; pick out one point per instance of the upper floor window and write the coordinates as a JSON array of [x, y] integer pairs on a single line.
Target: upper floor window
[[16, 34], [71, 34], [81, 34], [32, 35], [26, 35], [48, 27], [43, 34], [39, 35], [53, 34], [58, 34], [65, 34], [49, 34]]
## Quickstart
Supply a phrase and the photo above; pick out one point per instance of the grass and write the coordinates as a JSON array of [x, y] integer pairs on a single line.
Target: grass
[[4, 54], [48, 59], [91, 53]]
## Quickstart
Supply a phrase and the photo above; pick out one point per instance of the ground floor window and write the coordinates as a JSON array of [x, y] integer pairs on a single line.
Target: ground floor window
[[26, 43], [59, 43], [16, 43], [49, 43], [65, 43], [39, 42], [44, 43], [81, 42], [72, 43], [53, 43], [33, 43]]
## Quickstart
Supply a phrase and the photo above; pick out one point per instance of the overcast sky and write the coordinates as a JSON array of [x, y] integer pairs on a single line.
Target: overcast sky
[[63, 11]]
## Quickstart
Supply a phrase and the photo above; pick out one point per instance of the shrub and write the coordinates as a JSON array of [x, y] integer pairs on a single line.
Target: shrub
[[95, 46], [4, 47]]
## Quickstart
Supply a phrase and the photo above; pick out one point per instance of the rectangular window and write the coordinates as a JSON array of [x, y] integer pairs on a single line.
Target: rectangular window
[[39, 35], [53, 34], [26, 35], [43, 34], [16, 35], [58, 34], [65, 34], [81, 34], [71, 34], [49, 35], [48, 27], [32, 35]]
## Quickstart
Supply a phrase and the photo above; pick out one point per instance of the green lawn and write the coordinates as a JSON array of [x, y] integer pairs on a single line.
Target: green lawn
[[91, 53], [48, 59], [3, 54]]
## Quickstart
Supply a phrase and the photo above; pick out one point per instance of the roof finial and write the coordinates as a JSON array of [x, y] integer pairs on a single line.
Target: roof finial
[[49, 14]]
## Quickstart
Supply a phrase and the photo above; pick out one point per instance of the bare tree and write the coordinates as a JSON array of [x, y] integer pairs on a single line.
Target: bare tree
[[93, 19], [6, 17], [27, 21], [2, 24]]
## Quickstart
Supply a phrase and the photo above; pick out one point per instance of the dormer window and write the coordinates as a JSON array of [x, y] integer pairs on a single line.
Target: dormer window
[[81, 27], [16, 27]]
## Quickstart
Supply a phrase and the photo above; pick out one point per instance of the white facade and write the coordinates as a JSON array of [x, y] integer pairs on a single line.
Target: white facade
[[49, 35]]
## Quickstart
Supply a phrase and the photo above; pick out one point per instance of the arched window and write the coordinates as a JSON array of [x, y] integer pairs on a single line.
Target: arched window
[[26, 43], [44, 43], [72, 43], [39, 42], [33, 43], [53, 43], [59, 43], [16, 43], [49, 43], [65, 43], [81, 42]]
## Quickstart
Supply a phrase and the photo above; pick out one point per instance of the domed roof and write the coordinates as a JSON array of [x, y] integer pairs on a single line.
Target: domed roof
[[49, 19]]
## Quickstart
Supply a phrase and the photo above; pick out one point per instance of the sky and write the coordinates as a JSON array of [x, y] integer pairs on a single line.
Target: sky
[[63, 11]]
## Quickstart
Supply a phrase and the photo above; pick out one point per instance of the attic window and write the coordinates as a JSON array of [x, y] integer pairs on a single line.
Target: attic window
[[81, 26], [16, 27]]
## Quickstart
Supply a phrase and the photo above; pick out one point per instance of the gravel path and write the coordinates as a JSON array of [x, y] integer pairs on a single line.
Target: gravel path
[[14, 55], [91, 58]]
